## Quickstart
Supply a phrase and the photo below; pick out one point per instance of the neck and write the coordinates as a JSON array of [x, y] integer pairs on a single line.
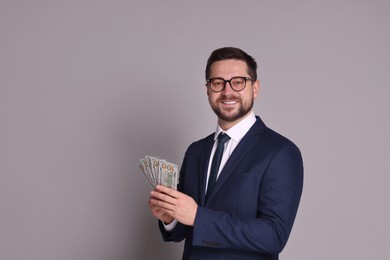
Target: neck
[[226, 125]]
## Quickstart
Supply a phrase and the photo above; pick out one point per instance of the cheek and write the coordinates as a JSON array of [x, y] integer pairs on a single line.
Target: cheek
[[250, 94], [247, 95], [212, 96]]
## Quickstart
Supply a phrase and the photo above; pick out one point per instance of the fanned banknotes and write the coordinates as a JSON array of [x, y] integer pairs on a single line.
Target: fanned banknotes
[[159, 171]]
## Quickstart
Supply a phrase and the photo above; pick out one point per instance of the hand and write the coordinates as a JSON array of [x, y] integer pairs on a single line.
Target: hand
[[168, 204], [159, 213]]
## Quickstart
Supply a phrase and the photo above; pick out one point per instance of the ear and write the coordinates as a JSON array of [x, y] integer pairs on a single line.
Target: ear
[[256, 88]]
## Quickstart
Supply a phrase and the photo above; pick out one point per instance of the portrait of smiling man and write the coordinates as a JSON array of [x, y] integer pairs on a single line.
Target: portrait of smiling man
[[239, 187]]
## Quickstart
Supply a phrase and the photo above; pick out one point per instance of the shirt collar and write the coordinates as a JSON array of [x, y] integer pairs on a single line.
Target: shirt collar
[[238, 131]]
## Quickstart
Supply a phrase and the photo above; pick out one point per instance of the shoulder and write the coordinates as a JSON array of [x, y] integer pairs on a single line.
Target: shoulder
[[282, 151], [270, 139], [278, 138], [199, 144]]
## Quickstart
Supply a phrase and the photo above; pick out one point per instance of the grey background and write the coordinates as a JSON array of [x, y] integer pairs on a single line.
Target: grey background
[[87, 88]]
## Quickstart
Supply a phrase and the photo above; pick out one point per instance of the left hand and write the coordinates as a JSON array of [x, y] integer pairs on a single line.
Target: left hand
[[175, 203]]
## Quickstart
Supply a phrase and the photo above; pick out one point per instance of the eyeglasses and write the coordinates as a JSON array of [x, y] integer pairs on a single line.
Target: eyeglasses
[[219, 84]]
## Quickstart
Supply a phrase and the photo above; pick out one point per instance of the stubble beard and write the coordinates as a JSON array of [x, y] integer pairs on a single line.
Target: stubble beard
[[227, 114]]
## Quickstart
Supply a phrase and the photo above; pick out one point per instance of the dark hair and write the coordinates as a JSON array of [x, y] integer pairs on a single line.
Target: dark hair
[[228, 53]]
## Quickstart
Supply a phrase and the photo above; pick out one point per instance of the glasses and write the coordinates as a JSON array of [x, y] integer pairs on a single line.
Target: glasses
[[219, 84]]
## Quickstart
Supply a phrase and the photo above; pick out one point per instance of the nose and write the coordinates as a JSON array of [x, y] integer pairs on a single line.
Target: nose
[[227, 88]]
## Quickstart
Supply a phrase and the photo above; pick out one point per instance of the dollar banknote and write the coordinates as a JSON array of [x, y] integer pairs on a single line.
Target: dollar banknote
[[168, 174], [159, 171], [146, 171]]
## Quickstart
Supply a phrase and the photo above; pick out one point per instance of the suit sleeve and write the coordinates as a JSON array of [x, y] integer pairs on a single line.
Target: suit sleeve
[[278, 201]]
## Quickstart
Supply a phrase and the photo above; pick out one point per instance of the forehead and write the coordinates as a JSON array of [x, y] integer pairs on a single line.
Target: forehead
[[228, 68]]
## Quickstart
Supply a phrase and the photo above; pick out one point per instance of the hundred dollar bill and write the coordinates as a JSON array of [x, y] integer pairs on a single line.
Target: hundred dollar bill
[[160, 171], [153, 163], [152, 175], [168, 173], [144, 166]]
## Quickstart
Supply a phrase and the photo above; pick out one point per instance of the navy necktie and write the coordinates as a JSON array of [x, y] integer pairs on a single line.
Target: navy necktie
[[222, 139]]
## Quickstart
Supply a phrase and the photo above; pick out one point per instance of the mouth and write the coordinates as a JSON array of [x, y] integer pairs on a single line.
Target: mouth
[[229, 102]]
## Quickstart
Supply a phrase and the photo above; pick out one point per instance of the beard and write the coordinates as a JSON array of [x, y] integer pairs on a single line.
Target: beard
[[232, 114]]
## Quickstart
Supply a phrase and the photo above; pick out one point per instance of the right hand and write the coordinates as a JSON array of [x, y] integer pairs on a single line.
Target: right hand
[[159, 212]]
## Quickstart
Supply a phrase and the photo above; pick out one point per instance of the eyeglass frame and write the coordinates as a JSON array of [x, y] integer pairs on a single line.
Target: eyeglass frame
[[208, 83]]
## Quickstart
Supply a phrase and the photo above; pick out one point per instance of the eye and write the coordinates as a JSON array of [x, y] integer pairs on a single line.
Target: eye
[[217, 82], [237, 81]]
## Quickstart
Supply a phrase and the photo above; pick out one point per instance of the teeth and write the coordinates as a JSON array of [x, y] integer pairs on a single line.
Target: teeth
[[230, 102]]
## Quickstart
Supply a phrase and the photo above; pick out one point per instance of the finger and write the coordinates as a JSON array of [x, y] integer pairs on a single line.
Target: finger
[[171, 192], [158, 196], [162, 205], [158, 211], [155, 207]]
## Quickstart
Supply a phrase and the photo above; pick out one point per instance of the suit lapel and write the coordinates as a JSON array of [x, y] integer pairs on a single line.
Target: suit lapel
[[246, 143]]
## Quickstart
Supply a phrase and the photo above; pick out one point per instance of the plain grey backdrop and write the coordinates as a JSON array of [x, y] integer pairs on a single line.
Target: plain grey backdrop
[[87, 88]]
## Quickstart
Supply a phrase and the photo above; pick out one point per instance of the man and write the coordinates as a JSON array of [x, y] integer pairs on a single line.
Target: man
[[249, 210]]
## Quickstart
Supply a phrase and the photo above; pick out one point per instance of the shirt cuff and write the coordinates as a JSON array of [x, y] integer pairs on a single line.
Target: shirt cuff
[[169, 227]]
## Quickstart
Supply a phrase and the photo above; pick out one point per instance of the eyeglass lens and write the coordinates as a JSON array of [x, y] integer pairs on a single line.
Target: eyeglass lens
[[236, 83]]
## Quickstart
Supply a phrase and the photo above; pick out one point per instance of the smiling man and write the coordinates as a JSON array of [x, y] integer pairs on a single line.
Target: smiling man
[[240, 186]]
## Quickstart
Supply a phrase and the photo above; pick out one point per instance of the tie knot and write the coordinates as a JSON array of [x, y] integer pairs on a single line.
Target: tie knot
[[223, 138]]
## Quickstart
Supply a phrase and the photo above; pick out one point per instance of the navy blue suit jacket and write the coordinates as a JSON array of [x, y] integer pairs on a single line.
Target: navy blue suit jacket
[[250, 212]]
